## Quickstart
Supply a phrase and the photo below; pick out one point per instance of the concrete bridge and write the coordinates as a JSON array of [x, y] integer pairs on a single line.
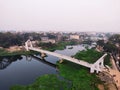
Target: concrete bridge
[[98, 66]]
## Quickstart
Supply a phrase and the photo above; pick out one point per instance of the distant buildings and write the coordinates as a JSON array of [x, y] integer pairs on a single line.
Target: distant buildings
[[47, 40]]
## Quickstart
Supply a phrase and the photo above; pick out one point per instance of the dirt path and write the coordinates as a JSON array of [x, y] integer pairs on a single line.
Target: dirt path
[[116, 76], [114, 72]]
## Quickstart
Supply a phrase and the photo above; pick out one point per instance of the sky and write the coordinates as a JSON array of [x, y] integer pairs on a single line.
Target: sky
[[60, 15]]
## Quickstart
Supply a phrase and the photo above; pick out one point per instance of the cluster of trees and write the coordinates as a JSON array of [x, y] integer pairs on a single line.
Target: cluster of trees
[[112, 45], [9, 39], [59, 46]]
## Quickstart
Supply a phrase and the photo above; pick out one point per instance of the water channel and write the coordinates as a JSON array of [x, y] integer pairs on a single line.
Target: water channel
[[23, 71]]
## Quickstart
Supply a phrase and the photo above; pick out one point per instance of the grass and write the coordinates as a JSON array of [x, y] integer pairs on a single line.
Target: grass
[[79, 76], [46, 82], [107, 60], [89, 56]]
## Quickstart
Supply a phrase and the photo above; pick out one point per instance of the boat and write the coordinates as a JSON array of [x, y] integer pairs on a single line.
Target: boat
[[70, 47]]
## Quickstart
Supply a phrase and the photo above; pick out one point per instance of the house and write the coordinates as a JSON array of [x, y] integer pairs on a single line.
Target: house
[[47, 40], [76, 37], [44, 38]]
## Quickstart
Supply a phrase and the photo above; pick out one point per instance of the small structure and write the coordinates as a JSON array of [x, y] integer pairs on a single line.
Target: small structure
[[44, 38], [47, 40], [76, 37]]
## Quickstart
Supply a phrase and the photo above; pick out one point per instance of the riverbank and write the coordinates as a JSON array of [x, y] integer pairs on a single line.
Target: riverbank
[[114, 72], [4, 53]]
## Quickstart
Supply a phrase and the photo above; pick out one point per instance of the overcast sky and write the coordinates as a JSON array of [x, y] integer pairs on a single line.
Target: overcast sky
[[60, 15]]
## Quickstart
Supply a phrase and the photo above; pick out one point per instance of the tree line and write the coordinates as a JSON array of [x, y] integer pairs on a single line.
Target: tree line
[[10, 39], [112, 45]]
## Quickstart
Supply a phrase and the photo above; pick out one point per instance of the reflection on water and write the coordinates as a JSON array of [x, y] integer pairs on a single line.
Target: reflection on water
[[44, 61], [6, 61], [22, 71]]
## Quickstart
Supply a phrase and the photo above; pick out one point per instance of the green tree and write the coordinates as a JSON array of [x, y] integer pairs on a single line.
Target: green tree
[[100, 43]]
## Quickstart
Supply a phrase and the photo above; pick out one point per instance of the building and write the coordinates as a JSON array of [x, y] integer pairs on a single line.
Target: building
[[76, 37], [52, 40], [44, 38], [47, 40], [34, 43], [59, 37]]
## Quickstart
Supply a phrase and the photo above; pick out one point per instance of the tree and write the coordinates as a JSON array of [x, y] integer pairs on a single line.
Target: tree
[[110, 47], [115, 38], [100, 43]]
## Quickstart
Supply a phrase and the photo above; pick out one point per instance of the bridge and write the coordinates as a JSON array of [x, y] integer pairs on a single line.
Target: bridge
[[98, 66]]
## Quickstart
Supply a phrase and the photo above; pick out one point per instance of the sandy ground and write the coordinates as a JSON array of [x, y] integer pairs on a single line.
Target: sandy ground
[[116, 76], [101, 87], [14, 48], [114, 72]]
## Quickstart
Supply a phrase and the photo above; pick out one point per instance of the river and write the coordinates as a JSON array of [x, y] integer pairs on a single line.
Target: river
[[22, 71]]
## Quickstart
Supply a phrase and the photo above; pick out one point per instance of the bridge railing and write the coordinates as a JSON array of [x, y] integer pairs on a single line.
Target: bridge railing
[[97, 66]]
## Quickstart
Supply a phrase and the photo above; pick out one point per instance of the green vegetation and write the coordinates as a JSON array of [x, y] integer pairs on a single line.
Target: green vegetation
[[107, 60], [76, 77], [56, 46], [115, 38], [79, 76], [110, 46], [46, 82], [11, 39], [6, 53], [100, 43], [90, 55]]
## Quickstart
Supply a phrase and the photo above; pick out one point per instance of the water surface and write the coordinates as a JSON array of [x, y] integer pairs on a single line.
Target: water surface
[[21, 71]]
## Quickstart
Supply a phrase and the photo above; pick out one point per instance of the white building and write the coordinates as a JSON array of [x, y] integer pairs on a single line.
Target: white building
[[77, 37], [44, 38], [47, 40]]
